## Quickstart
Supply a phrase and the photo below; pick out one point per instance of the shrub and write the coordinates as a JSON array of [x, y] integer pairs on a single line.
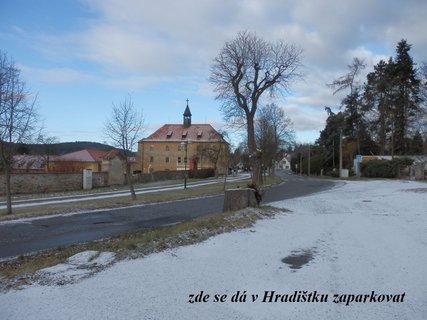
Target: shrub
[[384, 168], [332, 173], [201, 173], [399, 164], [377, 169]]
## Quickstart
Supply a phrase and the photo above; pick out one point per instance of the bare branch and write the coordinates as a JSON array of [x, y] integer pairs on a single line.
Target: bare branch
[[245, 69], [18, 116], [124, 129], [348, 80]]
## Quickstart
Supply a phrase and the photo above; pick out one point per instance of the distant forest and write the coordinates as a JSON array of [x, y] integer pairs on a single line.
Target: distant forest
[[60, 148]]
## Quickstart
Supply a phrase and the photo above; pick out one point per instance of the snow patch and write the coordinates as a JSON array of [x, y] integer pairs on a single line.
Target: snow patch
[[75, 268]]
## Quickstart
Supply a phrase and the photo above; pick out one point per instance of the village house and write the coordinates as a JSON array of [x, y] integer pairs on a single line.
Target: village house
[[96, 160], [183, 146], [284, 163]]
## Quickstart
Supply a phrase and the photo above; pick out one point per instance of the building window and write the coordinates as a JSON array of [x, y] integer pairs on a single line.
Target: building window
[[179, 159], [179, 147], [151, 148], [151, 159], [167, 159], [167, 148]]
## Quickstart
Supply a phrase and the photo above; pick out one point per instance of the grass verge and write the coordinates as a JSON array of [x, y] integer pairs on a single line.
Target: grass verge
[[18, 271], [123, 201]]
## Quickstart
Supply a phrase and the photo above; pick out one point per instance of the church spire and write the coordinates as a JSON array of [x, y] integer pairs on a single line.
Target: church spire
[[187, 116]]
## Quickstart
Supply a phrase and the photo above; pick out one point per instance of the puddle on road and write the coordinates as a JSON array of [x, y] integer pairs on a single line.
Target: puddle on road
[[299, 258]]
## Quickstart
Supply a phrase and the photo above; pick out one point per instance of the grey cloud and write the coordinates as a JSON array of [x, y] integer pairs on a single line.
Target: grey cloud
[[173, 39]]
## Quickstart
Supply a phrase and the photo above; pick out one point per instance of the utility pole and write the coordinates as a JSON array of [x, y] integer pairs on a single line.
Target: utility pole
[[309, 160], [340, 152], [333, 153]]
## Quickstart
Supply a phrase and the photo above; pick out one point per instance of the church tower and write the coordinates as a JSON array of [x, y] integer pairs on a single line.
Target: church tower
[[187, 117]]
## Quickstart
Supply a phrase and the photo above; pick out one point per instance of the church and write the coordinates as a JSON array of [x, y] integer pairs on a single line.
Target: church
[[185, 146]]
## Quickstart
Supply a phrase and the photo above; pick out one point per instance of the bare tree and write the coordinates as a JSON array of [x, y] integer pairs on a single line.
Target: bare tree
[[18, 118], [352, 102], [215, 152], [245, 69], [124, 129], [273, 131], [349, 79], [47, 142]]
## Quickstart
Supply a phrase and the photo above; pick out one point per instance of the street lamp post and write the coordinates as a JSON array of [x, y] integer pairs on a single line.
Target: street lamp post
[[185, 145]]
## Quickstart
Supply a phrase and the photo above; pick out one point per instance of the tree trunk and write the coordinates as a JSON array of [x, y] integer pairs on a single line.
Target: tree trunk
[[382, 130], [255, 156], [7, 174], [130, 181], [8, 190]]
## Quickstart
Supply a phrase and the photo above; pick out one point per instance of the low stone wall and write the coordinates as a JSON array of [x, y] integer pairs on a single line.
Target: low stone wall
[[239, 198], [50, 182], [100, 179]]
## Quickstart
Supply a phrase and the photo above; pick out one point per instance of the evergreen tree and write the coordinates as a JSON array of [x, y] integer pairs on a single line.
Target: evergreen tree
[[392, 96], [378, 100], [329, 137], [417, 144], [356, 127], [406, 96], [354, 124]]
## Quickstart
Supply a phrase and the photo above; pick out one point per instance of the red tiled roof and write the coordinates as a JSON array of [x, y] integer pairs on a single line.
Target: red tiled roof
[[177, 132], [87, 155]]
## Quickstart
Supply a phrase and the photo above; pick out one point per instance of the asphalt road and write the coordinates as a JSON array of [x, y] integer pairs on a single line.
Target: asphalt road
[[44, 233]]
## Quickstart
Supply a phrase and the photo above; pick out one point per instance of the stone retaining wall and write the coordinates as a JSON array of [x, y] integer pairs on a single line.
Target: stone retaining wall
[[239, 198], [50, 182]]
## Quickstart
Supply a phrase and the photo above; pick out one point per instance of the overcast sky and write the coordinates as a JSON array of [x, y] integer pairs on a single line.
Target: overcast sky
[[80, 56]]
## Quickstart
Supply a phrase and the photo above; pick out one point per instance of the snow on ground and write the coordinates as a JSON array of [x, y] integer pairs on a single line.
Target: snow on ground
[[361, 237], [77, 267]]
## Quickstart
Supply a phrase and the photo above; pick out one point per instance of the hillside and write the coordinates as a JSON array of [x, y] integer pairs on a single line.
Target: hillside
[[61, 148]]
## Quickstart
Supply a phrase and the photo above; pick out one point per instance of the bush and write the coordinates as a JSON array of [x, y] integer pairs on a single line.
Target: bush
[[399, 164], [201, 173], [377, 169], [384, 168], [332, 173]]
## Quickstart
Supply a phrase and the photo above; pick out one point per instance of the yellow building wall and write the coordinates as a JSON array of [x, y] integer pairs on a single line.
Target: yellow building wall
[[169, 155]]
